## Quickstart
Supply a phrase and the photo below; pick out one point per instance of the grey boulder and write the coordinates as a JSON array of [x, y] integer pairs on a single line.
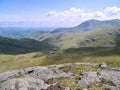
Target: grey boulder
[[24, 84], [87, 78]]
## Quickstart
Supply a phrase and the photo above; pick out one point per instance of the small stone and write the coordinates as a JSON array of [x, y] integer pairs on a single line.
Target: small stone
[[103, 65], [85, 89], [67, 88]]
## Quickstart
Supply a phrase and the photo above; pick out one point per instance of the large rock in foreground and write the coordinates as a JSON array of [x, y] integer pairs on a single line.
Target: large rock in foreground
[[113, 77], [32, 78], [110, 79], [24, 84]]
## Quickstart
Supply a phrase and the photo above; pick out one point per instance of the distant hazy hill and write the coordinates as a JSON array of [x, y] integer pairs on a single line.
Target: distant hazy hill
[[90, 25], [14, 46], [19, 32], [92, 33]]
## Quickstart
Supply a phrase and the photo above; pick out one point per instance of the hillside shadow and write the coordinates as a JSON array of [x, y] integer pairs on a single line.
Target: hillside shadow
[[93, 51], [89, 51], [22, 46]]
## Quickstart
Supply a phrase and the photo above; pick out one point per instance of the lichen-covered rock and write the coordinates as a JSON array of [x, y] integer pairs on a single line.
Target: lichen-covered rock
[[113, 76], [105, 75], [87, 78], [9, 74], [83, 83], [109, 87], [45, 73], [31, 78], [41, 72], [24, 84]]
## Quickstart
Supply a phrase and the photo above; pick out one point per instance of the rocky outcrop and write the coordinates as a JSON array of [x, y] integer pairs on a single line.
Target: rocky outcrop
[[24, 84], [113, 77], [31, 78], [7, 75], [38, 77], [87, 78], [110, 78], [44, 72]]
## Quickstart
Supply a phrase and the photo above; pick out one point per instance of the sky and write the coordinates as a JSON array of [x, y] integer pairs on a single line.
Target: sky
[[56, 13]]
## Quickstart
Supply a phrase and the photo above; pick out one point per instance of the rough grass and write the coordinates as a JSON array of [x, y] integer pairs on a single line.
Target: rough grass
[[96, 38], [11, 62], [89, 55]]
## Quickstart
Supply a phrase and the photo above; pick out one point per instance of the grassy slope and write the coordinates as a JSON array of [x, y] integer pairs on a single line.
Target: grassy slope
[[14, 46], [10, 62], [95, 38], [83, 54]]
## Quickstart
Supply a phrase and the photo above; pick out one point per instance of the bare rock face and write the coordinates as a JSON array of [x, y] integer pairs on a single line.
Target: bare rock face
[[109, 87], [31, 78], [110, 79], [113, 76], [88, 78], [8, 75], [24, 84], [45, 73]]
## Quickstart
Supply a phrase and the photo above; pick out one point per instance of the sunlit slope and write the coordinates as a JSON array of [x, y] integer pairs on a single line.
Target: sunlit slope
[[106, 37]]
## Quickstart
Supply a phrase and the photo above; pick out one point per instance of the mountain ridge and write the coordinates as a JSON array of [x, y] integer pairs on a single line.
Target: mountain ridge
[[89, 25], [92, 33]]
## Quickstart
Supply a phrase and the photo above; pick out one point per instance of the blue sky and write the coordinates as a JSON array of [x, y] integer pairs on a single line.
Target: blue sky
[[57, 12]]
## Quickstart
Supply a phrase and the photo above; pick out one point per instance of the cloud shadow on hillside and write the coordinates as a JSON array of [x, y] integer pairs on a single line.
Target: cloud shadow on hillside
[[23, 46]]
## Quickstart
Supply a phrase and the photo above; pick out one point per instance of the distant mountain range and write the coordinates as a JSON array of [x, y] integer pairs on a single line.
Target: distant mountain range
[[90, 25], [23, 32], [91, 33]]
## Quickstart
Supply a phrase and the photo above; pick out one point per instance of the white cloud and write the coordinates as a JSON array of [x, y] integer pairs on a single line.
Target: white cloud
[[70, 17], [74, 16], [112, 10]]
